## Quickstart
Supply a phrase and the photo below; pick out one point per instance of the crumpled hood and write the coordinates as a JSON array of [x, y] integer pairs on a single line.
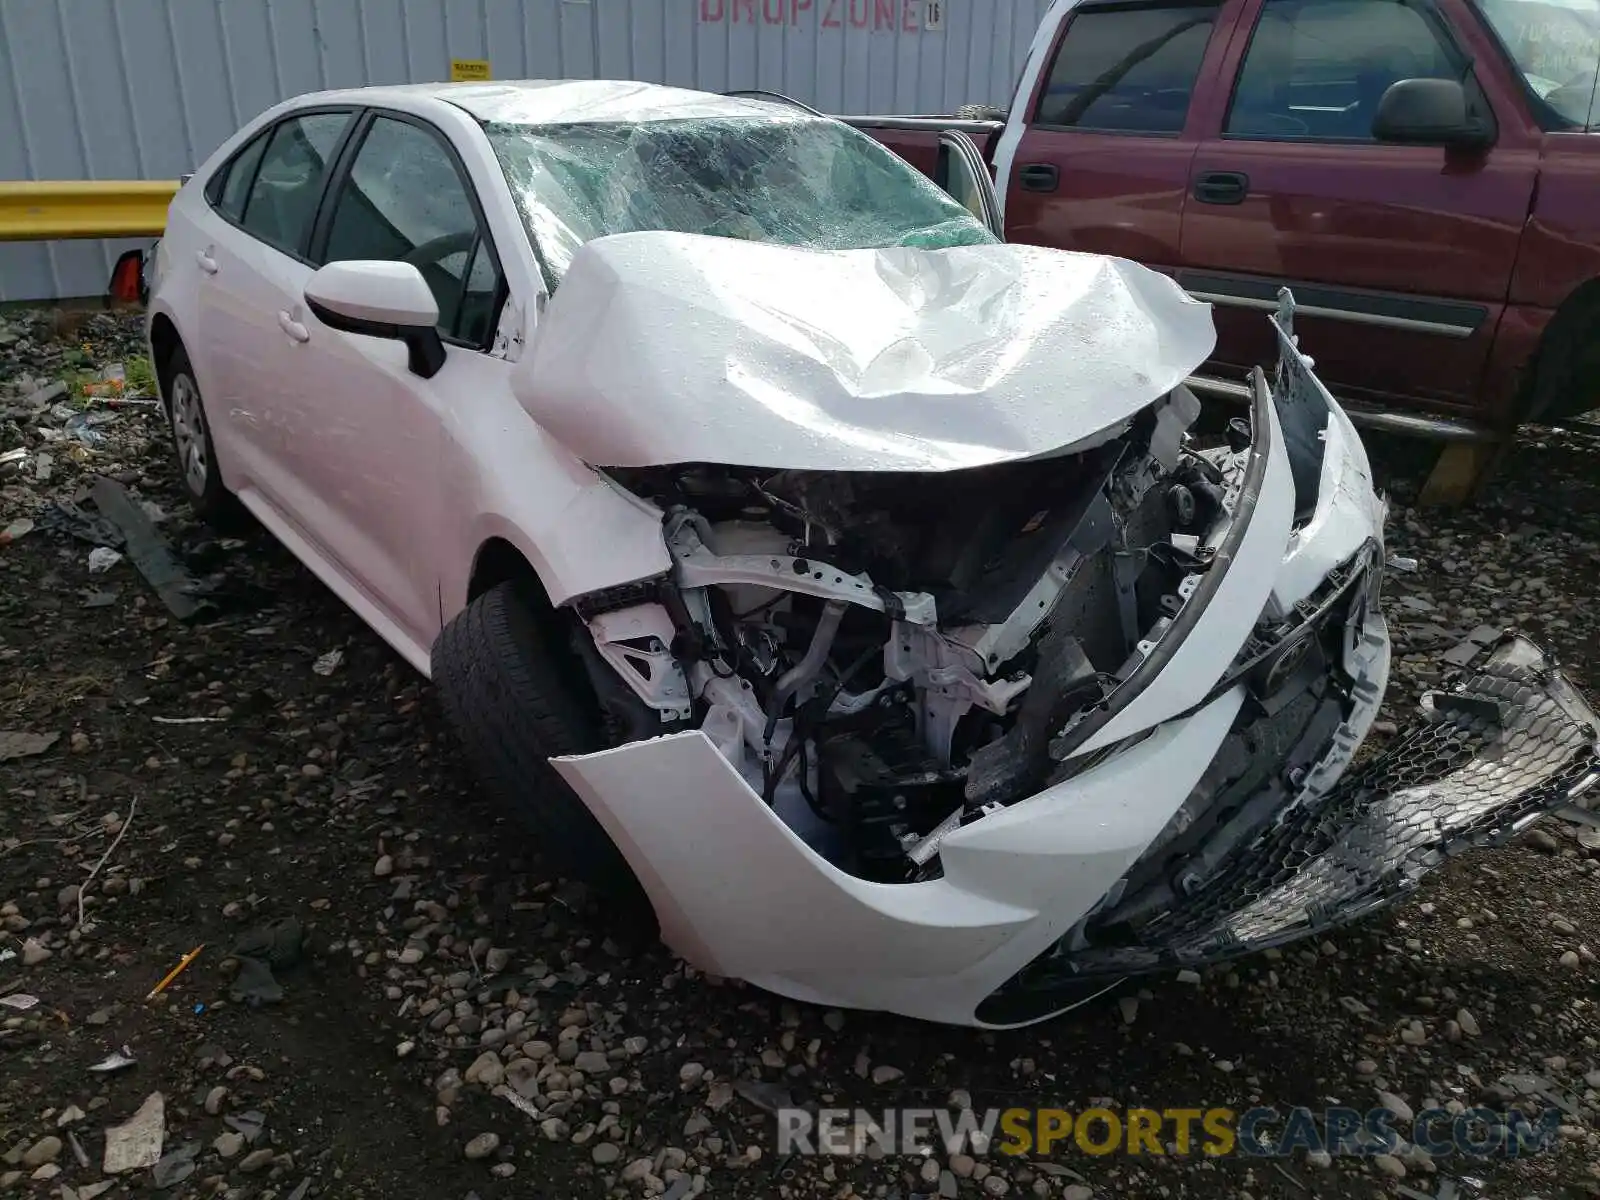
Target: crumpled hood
[[663, 348]]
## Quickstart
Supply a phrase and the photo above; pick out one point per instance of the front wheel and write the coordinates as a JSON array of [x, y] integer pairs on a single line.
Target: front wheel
[[510, 696]]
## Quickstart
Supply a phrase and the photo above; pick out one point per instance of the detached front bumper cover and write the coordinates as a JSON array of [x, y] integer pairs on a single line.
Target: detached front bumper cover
[[1512, 743]]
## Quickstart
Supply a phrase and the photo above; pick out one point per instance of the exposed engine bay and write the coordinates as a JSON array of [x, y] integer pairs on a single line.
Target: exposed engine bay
[[886, 656]]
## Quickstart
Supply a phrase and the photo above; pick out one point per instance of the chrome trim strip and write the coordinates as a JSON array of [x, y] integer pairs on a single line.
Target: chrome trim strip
[[1341, 314]]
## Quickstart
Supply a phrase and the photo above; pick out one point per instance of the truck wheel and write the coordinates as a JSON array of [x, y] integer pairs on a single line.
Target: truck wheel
[[503, 691], [1565, 378]]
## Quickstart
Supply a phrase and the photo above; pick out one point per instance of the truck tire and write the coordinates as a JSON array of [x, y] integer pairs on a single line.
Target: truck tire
[[1563, 377], [504, 693]]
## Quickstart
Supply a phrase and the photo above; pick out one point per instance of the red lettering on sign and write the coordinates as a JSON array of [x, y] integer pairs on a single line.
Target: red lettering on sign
[[860, 12], [744, 6], [711, 10], [830, 19], [801, 6], [883, 14], [908, 17]]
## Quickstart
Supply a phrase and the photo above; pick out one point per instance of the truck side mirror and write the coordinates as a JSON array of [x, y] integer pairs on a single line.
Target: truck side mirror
[[1428, 112]]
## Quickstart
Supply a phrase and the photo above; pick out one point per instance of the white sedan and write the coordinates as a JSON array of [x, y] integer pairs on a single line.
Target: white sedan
[[847, 594]]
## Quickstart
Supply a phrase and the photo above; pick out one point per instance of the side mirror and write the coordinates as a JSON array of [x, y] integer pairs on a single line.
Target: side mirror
[[382, 300], [1427, 112]]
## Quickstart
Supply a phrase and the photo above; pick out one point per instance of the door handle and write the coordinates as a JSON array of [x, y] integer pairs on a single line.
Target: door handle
[[1222, 187], [1039, 177], [296, 331], [207, 263]]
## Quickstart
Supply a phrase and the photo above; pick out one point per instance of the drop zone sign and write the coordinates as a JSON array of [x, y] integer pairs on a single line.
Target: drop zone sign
[[904, 16]]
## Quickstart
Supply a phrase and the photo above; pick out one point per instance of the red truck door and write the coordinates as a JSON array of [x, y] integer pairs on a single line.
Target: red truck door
[[1103, 160], [1399, 256]]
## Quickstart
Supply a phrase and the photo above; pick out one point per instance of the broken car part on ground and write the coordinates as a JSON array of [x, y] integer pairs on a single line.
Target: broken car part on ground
[[862, 598]]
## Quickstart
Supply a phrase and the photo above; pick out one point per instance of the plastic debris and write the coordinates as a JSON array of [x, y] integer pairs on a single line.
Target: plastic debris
[[525, 1107], [187, 720], [769, 1097], [11, 458], [1400, 562], [117, 1060], [182, 966], [259, 950], [69, 519], [7, 954], [147, 550], [136, 1143], [328, 663], [102, 559], [175, 1166], [247, 1125], [275, 942], [16, 743], [21, 1001], [81, 427], [15, 530]]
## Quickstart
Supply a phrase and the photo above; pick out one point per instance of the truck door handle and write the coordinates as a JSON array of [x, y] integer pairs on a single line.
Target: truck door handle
[[1222, 187], [1039, 177], [207, 263]]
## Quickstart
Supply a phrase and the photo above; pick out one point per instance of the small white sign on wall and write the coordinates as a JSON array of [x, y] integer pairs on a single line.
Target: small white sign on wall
[[933, 16]]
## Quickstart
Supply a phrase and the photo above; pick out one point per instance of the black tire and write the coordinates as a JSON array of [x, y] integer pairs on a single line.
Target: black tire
[[1564, 377], [505, 694], [190, 428]]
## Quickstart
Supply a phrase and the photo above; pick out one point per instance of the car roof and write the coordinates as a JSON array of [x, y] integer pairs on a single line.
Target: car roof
[[561, 101]]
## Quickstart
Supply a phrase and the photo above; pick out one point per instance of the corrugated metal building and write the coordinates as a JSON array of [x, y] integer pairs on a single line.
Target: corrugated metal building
[[146, 89]]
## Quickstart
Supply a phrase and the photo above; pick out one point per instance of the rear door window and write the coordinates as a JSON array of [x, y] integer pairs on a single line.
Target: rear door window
[[227, 192], [1127, 68], [288, 185]]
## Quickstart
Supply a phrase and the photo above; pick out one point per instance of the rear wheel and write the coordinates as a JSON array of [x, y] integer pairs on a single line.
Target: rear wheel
[[191, 439], [1565, 376], [511, 697]]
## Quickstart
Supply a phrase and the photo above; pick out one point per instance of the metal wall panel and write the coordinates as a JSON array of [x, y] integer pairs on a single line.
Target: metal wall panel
[[146, 89]]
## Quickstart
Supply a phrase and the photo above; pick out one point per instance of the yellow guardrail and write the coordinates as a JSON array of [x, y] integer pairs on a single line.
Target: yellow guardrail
[[45, 210]]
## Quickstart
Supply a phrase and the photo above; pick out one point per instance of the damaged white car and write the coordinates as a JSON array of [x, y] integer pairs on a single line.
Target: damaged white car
[[856, 594]]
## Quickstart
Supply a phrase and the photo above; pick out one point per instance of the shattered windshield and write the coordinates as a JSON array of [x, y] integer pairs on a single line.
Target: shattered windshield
[[1556, 46], [794, 181]]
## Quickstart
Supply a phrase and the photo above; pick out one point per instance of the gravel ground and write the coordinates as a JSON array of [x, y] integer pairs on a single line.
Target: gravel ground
[[457, 1021]]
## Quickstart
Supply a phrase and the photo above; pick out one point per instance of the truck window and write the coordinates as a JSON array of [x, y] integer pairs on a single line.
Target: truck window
[[1316, 69], [1555, 44], [1127, 68]]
